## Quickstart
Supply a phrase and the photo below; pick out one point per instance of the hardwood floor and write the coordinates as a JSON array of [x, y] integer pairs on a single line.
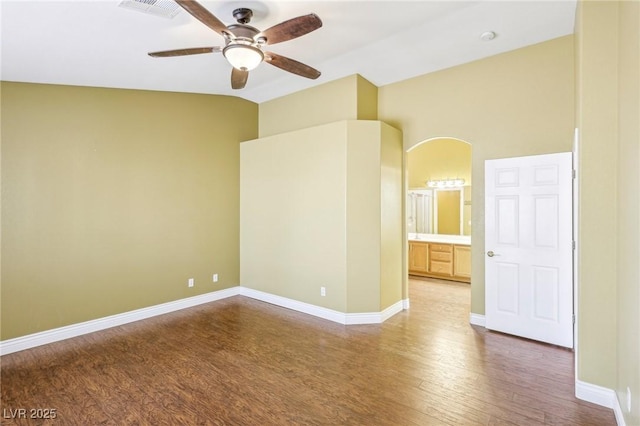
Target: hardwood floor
[[243, 362]]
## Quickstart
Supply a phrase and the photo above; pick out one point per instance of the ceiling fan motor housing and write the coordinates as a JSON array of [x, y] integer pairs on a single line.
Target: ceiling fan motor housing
[[242, 33]]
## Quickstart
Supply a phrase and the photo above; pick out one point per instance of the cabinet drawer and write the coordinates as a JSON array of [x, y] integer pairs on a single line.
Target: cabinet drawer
[[447, 248], [445, 268], [441, 256]]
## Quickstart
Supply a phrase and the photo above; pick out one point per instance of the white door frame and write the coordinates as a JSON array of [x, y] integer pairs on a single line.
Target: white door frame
[[576, 245]]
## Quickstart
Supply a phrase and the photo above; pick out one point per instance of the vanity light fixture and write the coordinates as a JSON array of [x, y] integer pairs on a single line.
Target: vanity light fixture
[[445, 183]]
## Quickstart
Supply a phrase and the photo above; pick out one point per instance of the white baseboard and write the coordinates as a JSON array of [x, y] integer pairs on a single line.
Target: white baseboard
[[321, 312], [477, 319], [374, 317], [601, 396], [595, 394], [392, 310], [405, 304], [307, 308], [74, 330], [617, 410]]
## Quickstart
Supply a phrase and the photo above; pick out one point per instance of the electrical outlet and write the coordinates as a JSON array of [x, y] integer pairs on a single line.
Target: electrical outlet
[[323, 291], [191, 282], [628, 399], [215, 278]]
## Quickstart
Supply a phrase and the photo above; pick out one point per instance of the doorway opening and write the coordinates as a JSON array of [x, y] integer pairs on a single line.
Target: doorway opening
[[438, 209]]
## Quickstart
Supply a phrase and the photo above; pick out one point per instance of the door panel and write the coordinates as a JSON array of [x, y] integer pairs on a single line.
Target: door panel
[[546, 221], [528, 238], [507, 213], [508, 283], [545, 293]]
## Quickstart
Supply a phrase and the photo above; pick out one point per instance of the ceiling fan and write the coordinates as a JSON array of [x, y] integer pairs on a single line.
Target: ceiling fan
[[244, 44]]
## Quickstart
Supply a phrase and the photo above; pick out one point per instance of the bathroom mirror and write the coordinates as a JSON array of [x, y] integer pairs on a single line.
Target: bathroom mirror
[[439, 211]]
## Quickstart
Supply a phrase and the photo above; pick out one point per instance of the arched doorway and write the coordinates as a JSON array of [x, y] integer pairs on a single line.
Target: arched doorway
[[438, 209]]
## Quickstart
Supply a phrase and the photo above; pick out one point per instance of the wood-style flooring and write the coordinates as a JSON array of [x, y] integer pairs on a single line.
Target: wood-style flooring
[[243, 362]]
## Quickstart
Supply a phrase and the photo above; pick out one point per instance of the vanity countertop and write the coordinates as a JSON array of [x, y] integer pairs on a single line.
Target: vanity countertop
[[439, 238]]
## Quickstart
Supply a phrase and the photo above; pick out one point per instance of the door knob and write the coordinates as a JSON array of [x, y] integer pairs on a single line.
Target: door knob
[[490, 253]]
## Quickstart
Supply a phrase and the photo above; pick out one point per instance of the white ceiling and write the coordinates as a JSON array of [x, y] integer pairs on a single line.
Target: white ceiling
[[98, 43]]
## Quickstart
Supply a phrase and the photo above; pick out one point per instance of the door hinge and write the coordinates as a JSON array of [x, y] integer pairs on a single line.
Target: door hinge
[[573, 173], [573, 318], [573, 245]]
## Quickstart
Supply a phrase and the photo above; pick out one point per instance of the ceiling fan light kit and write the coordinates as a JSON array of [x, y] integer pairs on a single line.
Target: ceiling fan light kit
[[243, 57], [243, 43]]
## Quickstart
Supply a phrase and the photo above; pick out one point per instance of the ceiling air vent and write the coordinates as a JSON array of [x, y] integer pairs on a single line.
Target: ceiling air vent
[[164, 8]]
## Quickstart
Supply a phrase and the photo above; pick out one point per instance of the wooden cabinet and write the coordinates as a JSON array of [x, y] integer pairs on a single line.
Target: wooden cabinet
[[418, 257], [462, 262], [440, 260]]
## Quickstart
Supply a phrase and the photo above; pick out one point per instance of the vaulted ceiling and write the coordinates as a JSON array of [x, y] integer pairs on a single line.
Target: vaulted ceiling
[[102, 44]]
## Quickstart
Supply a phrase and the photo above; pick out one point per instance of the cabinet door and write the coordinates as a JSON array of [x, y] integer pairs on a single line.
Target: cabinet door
[[418, 257], [462, 261]]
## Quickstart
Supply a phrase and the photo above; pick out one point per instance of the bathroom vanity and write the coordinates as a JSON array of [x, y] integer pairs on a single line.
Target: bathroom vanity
[[446, 257]]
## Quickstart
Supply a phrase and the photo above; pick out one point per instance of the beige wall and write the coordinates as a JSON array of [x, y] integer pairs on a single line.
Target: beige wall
[[514, 104], [596, 119], [608, 118], [363, 216], [442, 158], [628, 318], [349, 98], [374, 216], [313, 215], [292, 215], [112, 199], [367, 99], [392, 238]]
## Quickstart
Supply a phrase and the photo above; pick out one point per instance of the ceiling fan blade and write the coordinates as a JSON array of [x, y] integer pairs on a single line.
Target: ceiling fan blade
[[238, 78], [291, 65], [184, 52], [203, 15], [291, 29]]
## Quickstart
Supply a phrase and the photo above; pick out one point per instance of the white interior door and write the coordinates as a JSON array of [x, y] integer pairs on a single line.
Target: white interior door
[[528, 243]]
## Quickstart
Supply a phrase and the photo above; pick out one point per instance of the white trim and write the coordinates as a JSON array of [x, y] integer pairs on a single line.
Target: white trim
[[405, 304], [617, 410], [477, 319], [321, 312], [602, 396], [307, 308], [74, 330], [595, 394], [57, 334], [391, 310], [576, 242]]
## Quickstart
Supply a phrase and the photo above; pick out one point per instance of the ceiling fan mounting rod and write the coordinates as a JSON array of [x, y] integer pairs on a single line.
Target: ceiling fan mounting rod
[[243, 15]]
